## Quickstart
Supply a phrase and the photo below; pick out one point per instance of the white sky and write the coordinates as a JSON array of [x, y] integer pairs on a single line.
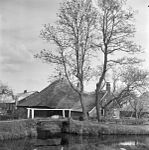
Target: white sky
[[20, 25]]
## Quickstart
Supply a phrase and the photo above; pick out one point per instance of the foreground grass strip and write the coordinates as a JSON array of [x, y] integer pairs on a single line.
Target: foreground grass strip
[[15, 129], [90, 128]]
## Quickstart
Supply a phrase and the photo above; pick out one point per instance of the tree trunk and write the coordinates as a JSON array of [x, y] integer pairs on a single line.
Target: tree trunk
[[85, 116], [136, 114], [97, 106], [99, 84]]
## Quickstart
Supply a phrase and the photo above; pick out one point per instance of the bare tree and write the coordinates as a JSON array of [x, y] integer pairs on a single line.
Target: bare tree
[[115, 30], [137, 105], [72, 35], [5, 91], [128, 84], [132, 82]]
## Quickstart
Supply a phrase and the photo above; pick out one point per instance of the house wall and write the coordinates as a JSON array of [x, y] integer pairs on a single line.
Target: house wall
[[47, 113], [77, 115], [8, 107], [109, 113], [93, 113], [112, 113], [21, 112]]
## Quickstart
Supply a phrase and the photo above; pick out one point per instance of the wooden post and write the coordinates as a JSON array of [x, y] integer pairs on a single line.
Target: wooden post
[[63, 112], [69, 114], [28, 112], [32, 113], [103, 112]]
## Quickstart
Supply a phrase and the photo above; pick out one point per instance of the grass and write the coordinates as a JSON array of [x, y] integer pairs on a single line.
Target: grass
[[16, 129], [94, 128]]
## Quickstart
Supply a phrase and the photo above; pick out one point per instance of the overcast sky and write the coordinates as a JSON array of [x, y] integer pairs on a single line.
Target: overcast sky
[[20, 25]]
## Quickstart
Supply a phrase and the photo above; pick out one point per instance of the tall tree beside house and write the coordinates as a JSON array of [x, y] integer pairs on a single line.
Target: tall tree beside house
[[115, 30], [73, 35]]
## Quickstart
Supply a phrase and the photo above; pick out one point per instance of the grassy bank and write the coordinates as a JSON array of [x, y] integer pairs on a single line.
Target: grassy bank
[[94, 128], [16, 129]]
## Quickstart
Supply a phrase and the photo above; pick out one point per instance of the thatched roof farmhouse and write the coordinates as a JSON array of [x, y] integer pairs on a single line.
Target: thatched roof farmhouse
[[58, 94]]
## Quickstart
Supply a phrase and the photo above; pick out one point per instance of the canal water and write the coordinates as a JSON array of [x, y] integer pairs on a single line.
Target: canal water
[[73, 142]]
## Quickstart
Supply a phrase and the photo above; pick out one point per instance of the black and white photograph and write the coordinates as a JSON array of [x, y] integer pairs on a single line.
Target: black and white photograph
[[74, 75]]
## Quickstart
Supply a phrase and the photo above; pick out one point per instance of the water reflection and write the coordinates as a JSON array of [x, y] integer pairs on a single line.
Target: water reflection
[[69, 142]]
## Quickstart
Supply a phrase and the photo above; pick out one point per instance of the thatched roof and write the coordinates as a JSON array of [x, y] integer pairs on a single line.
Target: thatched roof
[[23, 98], [24, 95], [59, 94], [89, 101]]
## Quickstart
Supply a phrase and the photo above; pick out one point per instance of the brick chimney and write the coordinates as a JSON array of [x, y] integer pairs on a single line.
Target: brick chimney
[[25, 91], [108, 87]]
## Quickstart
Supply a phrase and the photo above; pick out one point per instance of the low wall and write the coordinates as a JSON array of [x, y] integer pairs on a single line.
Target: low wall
[[16, 129], [90, 128], [53, 126]]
